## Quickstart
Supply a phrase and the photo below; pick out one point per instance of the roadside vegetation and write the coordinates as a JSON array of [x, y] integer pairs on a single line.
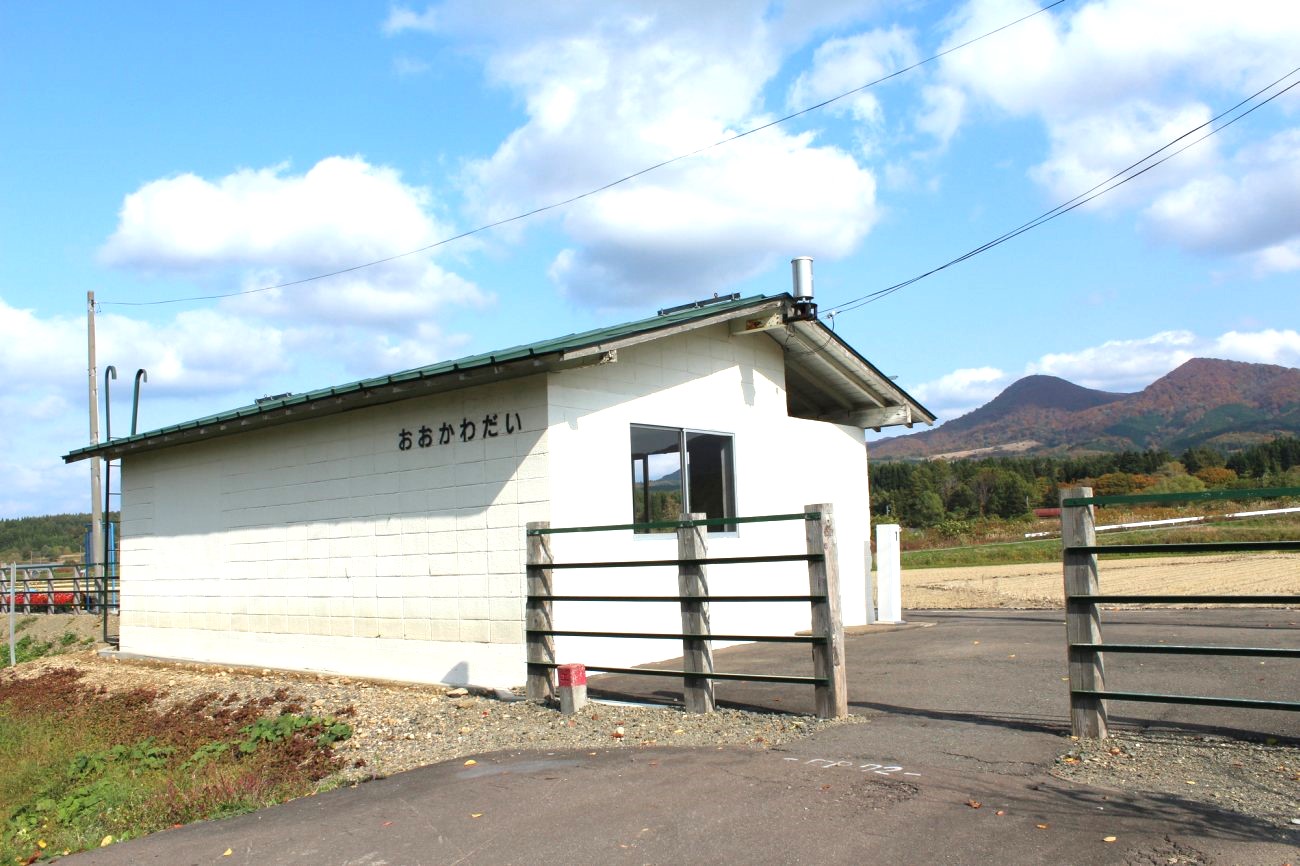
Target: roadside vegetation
[[977, 512], [85, 768], [47, 538], [933, 548], [28, 647]]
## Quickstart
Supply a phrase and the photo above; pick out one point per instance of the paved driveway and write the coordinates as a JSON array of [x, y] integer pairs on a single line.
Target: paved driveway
[[970, 709]]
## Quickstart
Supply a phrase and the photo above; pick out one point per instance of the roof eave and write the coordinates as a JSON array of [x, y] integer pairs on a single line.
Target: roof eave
[[423, 381], [372, 392], [880, 402]]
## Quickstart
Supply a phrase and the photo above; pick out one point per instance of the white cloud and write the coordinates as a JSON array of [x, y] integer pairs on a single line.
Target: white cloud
[[616, 88], [1121, 365], [1130, 365], [1253, 203], [1269, 346], [845, 63], [1087, 150], [401, 19], [260, 227], [960, 391], [1112, 80], [340, 212], [1279, 258], [941, 117], [196, 352], [35, 352], [715, 220], [406, 67], [1115, 365], [198, 362]]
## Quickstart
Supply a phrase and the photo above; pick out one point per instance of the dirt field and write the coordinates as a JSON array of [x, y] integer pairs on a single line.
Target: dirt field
[[1039, 586]]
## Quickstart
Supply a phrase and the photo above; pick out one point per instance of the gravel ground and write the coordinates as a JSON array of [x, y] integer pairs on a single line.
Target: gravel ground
[[1253, 779], [399, 726]]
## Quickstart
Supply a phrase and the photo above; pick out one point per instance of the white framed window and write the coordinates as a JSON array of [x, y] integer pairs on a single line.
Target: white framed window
[[677, 471]]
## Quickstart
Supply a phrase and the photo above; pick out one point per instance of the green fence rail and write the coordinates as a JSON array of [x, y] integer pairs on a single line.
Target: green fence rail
[[696, 636], [675, 524], [1188, 547], [1197, 496], [1085, 646], [676, 674]]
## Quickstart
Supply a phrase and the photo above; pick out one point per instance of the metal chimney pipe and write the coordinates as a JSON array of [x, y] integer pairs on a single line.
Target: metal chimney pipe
[[801, 270], [803, 280]]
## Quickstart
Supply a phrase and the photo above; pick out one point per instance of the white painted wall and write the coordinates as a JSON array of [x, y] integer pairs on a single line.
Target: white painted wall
[[707, 380], [321, 546]]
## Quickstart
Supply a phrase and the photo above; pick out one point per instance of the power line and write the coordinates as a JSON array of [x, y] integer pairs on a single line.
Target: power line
[[1113, 182], [599, 189]]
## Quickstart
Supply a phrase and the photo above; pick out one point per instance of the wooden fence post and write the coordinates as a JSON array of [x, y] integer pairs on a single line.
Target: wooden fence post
[[539, 614], [697, 652], [1082, 618], [824, 581]]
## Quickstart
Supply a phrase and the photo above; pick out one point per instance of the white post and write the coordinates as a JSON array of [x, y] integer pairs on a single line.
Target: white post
[[573, 688], [13, 581], [889, 573], [871, 588], [95, 565]]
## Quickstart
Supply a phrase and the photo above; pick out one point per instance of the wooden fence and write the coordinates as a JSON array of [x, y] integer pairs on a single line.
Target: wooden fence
[[1083, 597], [693, 598], [52, 587]]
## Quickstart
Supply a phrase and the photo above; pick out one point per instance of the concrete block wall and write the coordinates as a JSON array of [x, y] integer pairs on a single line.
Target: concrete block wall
[[709, 380], [323, 545]]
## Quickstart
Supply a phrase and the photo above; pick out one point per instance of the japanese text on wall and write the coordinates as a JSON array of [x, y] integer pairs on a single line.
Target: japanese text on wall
[[490, 426]]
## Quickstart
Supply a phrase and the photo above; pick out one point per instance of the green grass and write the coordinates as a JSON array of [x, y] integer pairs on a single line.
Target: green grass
[[28, 648], [82, 765], [1049, 549]]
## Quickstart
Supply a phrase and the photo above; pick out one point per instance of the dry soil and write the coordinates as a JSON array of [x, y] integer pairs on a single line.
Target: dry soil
[[1039, 585]]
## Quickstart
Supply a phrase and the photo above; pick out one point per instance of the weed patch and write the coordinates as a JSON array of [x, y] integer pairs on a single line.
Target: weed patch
[[28, 648], [83, 764]]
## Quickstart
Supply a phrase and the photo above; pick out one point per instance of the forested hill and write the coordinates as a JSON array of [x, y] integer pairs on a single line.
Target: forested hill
[[929, 492], [42, 539], [1205, 402]]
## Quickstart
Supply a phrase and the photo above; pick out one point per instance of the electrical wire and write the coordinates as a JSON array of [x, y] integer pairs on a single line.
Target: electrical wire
[[599, 189], [1115, 181]]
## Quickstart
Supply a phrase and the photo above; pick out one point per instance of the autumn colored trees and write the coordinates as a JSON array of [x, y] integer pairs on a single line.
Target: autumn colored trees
[[925, 493]]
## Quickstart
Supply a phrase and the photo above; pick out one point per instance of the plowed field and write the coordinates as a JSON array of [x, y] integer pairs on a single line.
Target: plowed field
[[1040, 585]]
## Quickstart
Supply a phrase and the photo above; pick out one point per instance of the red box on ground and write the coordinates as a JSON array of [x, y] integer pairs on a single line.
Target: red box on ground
[[572, 675]]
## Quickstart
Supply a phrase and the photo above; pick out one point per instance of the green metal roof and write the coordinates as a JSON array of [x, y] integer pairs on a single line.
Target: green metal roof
[[543, 348]]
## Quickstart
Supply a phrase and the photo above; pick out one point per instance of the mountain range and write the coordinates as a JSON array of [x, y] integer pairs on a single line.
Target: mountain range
[[1206, 401]]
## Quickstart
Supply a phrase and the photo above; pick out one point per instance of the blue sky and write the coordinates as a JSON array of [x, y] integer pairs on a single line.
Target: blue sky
[[158, 151]]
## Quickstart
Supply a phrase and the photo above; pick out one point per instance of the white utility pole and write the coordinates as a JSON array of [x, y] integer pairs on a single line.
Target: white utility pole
[[94, 567]]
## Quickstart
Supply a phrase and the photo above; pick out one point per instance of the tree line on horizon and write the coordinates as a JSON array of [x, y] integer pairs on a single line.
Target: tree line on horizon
[[920, 494], [44, 538]]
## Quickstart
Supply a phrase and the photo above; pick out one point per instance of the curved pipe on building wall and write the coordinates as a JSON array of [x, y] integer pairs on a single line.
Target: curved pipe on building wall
[[140, 375]]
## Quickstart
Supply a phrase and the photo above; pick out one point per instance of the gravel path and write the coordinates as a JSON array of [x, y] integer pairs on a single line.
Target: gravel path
[[398, 726], [1254, 779]]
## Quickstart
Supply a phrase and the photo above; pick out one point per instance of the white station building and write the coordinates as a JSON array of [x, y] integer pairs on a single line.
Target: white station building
[[377, 528]]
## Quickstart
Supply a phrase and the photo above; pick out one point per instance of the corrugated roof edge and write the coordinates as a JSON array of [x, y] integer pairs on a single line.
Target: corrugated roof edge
[[930, 417], [554, 345]]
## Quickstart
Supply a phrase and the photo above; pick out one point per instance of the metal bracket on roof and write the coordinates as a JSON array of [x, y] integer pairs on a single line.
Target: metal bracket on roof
[[757, 324], [874, 417], [695, 305]]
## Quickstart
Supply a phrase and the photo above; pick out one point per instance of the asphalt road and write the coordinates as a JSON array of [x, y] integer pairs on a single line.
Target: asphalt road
[[970, 709]]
